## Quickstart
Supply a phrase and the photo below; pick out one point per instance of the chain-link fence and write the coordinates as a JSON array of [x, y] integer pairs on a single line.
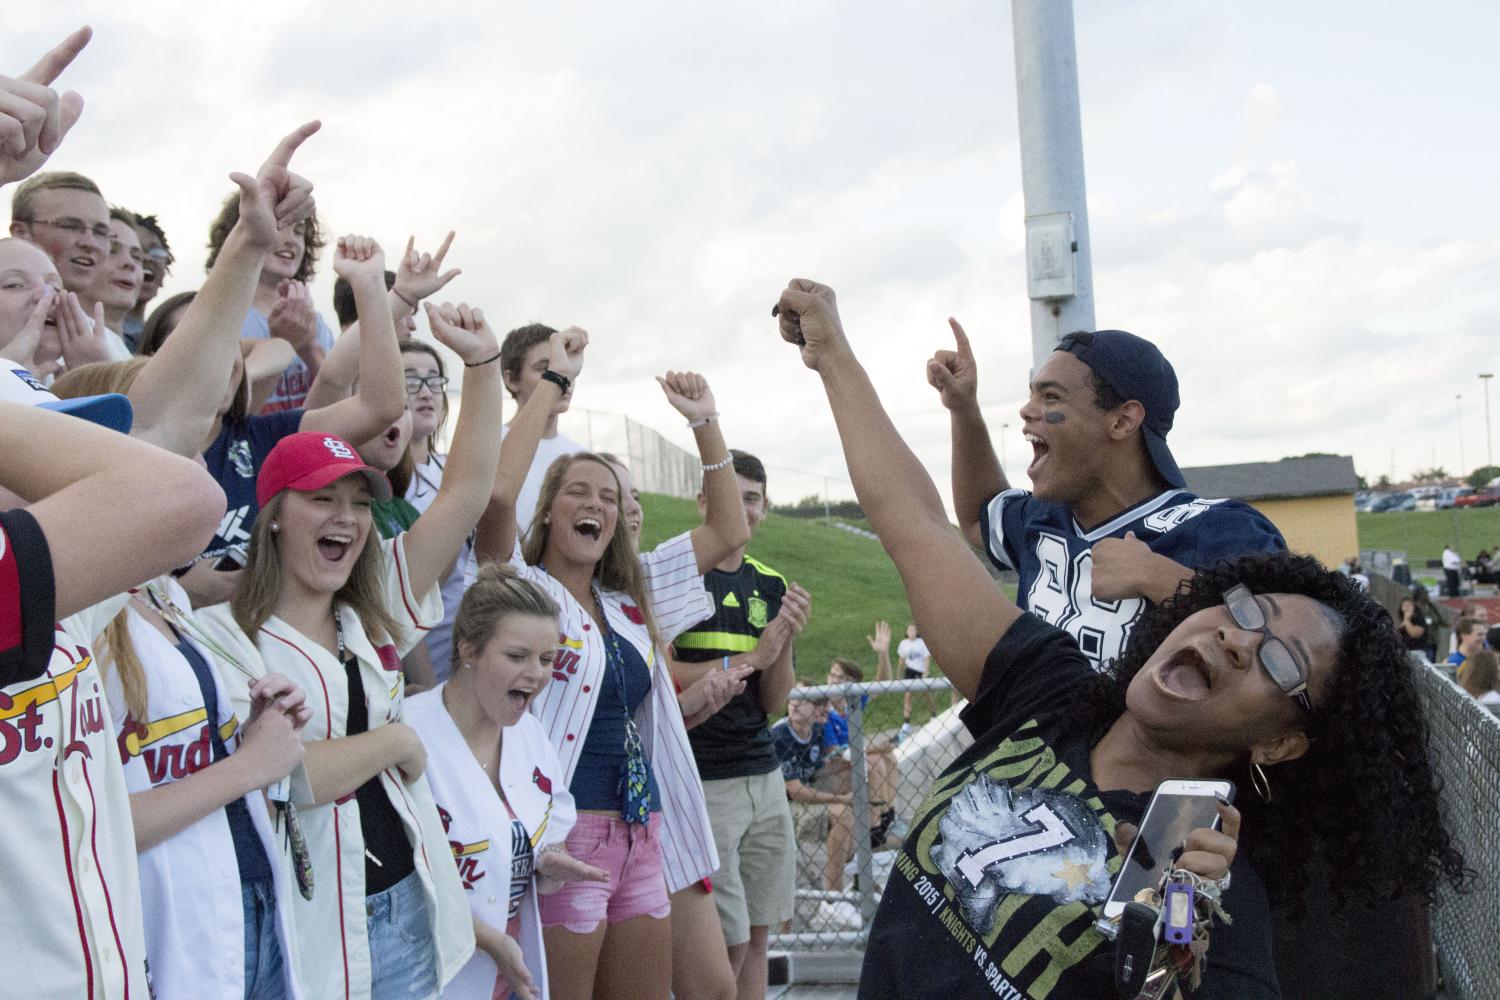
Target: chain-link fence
[[845, 849], [1465, 744]]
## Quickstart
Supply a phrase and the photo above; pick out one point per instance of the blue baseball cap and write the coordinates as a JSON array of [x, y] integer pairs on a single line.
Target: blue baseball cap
[[17, 385], [1133, 367]]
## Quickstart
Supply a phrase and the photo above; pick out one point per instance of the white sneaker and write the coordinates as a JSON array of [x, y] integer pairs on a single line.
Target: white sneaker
[[904, 733], [839, 915]]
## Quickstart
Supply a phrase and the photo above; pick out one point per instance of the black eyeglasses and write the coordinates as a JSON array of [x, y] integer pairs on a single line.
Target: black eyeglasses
[[77, 227], [434, 383], [1273, 653]]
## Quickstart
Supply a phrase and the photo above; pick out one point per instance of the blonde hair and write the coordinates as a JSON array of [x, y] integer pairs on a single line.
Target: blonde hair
[[98, 378], [115, 650], [620, 568], [498, 592], [254, 600]]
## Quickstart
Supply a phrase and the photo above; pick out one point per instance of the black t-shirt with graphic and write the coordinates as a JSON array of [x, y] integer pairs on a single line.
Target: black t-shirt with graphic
[[735, 741], [996, 889]]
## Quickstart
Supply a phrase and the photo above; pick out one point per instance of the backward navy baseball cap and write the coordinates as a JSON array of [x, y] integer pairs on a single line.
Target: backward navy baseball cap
[[1133, 367], [17, 385]]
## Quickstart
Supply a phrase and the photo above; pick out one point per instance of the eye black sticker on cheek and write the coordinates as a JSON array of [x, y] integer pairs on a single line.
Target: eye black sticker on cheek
[[1053, 417]]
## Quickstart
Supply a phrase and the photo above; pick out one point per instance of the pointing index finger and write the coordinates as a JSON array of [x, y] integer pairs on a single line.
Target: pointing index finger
[[281, 156], [961, 338], [51, 65]]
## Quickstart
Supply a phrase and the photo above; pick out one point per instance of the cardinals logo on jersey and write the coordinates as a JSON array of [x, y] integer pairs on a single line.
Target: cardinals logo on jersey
[[541, 781]]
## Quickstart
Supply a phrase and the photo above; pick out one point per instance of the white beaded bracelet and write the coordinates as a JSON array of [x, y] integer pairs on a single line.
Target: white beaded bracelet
[[701, 421], [728, 461]]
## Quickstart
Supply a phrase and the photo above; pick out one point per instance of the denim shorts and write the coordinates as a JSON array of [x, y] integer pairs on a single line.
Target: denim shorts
[[631, 853], [403, 963], [265, 968]]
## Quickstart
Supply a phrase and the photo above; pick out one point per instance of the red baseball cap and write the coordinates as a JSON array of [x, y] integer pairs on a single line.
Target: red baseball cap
[[308, 461]]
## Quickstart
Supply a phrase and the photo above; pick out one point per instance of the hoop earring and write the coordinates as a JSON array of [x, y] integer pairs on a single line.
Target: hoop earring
[[1260, 782]]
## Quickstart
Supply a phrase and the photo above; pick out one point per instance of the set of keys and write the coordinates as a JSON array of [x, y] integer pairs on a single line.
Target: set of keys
[[1164, 935]]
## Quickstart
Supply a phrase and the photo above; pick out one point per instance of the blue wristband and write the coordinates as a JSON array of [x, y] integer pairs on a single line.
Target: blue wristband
[[726, 663]]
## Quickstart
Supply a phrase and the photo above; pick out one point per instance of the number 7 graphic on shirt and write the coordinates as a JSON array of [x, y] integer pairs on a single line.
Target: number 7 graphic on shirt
[[1053, 832]]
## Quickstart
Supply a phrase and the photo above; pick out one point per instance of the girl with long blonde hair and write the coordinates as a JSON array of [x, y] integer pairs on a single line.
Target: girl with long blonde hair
[[610, 709]]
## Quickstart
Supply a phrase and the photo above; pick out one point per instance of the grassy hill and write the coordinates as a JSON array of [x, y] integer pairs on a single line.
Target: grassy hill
[[1423, 533], [852, 582]]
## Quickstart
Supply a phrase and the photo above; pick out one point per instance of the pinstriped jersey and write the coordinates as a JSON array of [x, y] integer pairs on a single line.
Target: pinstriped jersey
[[70, 901]]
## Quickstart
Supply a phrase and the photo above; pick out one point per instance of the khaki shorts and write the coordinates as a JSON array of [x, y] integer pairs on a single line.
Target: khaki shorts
[[752, 825]]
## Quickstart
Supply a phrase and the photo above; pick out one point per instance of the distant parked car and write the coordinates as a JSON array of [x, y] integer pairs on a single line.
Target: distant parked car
[[1394, 501], [1367, 502], [1450, 496], [1487, 497]]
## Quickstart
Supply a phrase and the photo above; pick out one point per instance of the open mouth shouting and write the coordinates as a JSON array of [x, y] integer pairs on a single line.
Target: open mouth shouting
[[519, 698], [83, 260], [335, 548], [589, 527], [1039, 451], [1186, 675]]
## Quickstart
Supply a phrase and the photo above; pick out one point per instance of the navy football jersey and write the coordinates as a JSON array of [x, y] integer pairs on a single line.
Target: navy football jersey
[[1045, 545]]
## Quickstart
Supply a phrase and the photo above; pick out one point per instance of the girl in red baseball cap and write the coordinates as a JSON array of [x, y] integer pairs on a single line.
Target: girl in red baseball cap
[[325, 601]]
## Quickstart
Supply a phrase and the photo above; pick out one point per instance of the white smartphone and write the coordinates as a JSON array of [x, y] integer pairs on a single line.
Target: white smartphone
[[1178, 808]]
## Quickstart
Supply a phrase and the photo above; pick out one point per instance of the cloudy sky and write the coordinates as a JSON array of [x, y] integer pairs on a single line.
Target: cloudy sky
[[1296, 201]]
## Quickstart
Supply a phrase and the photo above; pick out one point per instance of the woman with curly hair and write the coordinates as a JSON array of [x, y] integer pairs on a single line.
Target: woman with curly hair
[[1271, 672]]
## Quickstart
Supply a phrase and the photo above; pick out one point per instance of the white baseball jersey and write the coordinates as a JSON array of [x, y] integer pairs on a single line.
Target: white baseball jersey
[[335, 951], [479, 828], [70, 900], [566, 705], [190, 882]]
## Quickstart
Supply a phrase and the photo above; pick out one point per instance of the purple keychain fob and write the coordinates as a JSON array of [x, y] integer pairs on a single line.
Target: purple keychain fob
[[1178, 908]]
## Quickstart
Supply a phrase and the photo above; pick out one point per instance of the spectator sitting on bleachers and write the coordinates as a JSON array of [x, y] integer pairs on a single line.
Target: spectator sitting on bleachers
[[1481, 676], [1470, 635], [810, 782]]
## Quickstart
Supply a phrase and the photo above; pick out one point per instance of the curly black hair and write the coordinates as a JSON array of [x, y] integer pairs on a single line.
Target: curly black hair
[[1364, 797]]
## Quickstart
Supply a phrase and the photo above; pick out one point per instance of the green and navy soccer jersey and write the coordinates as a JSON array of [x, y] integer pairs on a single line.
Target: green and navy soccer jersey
[[735, 742], [1051, 552]]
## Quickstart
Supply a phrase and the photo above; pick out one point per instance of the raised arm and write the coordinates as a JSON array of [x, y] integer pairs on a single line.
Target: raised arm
[[880, 642], [496, 537], [955, 602], [434, 541], [87, 486], [177, 395], [419, 276], [724, 529], [977, 475], [381, 396]]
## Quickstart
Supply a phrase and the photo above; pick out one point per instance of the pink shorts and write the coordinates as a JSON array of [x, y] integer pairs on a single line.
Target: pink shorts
[[636, 887]]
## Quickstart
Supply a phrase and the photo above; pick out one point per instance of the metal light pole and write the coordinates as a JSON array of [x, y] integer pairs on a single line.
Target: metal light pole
[[1462, 462], [1059, 277], [1489, 448]]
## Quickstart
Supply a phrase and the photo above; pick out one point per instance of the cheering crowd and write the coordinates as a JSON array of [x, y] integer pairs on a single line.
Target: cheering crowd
[[296, 704]]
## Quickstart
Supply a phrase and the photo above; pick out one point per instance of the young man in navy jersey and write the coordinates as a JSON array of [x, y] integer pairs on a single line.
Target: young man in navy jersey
[[1107, 525]]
